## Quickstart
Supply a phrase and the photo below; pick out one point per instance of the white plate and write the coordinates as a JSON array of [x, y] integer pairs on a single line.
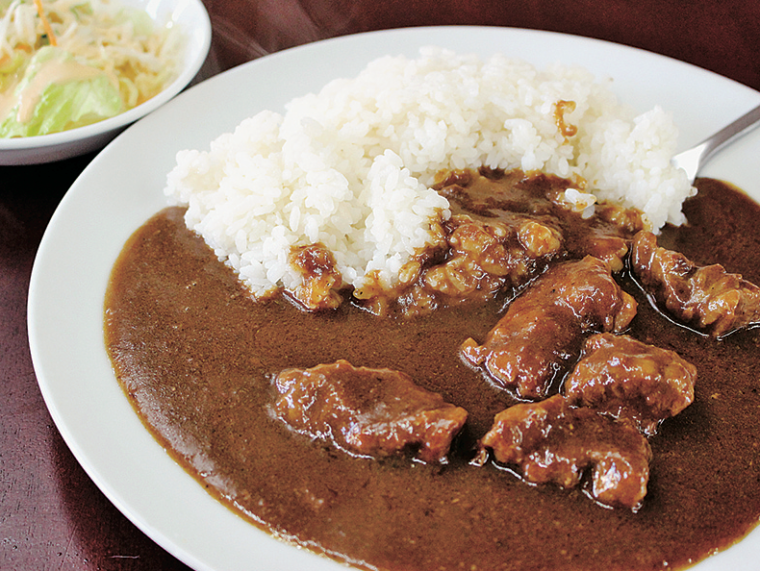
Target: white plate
[[122, 187], [191, 18]]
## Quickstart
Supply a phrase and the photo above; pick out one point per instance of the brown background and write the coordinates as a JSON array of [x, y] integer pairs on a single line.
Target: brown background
[[52, 517]]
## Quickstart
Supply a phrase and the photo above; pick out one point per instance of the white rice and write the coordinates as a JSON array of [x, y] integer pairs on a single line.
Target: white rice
[[351, 166]]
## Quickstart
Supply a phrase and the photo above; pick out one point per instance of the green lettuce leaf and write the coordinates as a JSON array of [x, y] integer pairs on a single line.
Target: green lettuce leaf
[[62, 105]]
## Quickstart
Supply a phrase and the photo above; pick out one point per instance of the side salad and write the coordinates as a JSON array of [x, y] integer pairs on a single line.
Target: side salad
[[69, 63]]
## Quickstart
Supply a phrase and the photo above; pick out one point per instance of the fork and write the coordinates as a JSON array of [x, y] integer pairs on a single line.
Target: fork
[[693, 159]]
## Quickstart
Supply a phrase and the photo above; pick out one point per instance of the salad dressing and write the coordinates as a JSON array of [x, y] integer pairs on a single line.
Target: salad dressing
[[7, 101]]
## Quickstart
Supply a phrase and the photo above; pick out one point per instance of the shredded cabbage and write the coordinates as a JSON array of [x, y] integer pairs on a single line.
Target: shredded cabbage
[[44, 46]]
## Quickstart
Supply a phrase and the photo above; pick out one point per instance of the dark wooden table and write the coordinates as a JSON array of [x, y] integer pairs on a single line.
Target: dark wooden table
[[51, 515]]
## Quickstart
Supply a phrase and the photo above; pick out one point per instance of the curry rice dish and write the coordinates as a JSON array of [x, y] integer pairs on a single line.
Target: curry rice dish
[[544, 386]]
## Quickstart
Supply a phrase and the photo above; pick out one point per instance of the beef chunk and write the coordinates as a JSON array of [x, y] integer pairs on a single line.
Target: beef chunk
[[612, 249], [607, 235], [320, 278], [527, 353], [369, 412], [485, 257], [482, 258], [604, 230], [704, 297], [554, 442], [542, 331], [506, 228], [625, 378]]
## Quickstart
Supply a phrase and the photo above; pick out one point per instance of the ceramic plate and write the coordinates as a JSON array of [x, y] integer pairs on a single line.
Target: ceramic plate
[[123, 185], [191, 18]]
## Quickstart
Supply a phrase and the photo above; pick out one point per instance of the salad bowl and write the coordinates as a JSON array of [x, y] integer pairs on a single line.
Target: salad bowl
[[191, 20]]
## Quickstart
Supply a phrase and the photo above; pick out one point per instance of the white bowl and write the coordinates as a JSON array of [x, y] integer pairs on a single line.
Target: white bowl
[[191, 18]]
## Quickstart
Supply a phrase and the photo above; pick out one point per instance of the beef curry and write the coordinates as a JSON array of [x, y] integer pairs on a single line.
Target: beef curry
[[199, 358]]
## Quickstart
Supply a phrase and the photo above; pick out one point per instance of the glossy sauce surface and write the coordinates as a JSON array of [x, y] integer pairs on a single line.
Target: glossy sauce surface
[[196, 355]]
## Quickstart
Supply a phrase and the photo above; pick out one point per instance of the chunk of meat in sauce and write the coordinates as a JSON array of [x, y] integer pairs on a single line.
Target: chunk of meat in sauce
[[542, 331], [606, 236], [627, 379], [369, 412], [704, 297], [505, 229], [487, 257], [554, 442], [321, 280], [497, 196]]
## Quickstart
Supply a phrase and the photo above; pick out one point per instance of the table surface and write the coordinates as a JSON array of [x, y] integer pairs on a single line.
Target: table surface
[[51, 515]]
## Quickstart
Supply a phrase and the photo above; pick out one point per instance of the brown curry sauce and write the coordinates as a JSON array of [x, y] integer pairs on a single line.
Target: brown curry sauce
[[196, 355]]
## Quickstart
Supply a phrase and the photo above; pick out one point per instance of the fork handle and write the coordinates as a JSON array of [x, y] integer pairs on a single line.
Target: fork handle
[[738, 128]]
